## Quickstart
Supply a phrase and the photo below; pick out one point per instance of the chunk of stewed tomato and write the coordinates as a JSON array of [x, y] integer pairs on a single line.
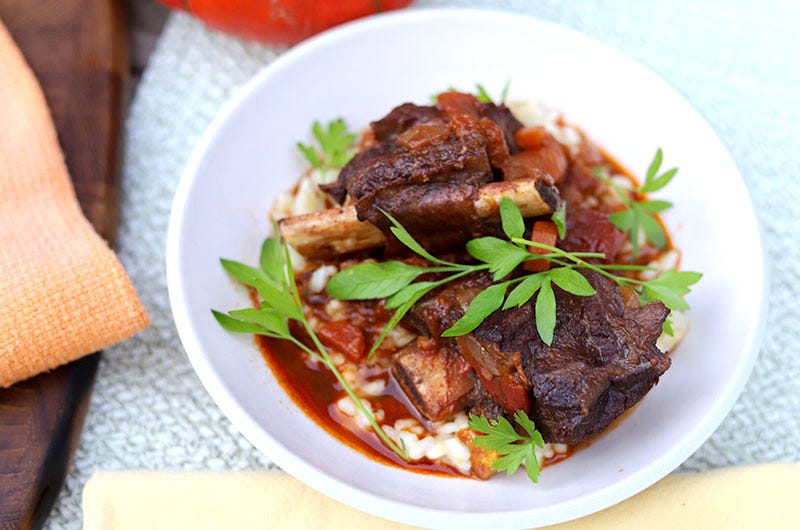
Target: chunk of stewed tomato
[[343, 337]]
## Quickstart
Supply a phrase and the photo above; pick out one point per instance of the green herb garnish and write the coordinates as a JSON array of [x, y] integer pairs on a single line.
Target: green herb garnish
[[666, 327], [394, 280], [559, 217], [514, 450], [335, 145], [280, 303], [482, 95], [639, 213]]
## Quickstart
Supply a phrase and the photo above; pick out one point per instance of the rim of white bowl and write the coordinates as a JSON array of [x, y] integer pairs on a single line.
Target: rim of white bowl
[[365, 500]]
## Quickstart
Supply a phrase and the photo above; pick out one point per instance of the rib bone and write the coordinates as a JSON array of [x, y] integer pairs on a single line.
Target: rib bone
[[338, 231]]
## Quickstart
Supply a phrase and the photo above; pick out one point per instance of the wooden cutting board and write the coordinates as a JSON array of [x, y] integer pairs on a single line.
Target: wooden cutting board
[[78, 51]]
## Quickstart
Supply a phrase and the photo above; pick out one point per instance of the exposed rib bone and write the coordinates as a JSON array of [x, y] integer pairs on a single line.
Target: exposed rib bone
[[338, 230], [532, 197], [329, 232]]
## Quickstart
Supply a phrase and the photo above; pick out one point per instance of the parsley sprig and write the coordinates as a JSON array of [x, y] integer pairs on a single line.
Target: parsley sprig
[[335, 146], [280, 302], [395, 280], [639, 213], [514, 450]]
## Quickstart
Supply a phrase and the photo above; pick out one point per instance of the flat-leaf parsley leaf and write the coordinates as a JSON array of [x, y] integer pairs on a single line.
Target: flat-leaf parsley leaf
[[514, 450], [638, 216], [335, 145]]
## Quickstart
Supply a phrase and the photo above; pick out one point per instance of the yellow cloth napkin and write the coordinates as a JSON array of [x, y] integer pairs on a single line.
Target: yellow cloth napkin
[[764, 496], [63, 294]]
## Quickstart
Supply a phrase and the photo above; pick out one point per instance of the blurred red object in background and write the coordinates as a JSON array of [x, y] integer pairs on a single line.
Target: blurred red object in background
[[281, 21]]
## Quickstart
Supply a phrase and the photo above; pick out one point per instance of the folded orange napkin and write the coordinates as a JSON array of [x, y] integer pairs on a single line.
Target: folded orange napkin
[[763, 496], [63, 294]]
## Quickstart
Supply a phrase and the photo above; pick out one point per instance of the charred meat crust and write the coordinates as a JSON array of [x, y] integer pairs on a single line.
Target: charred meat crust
[[427, 167], [549, 194], [602, 360], [407, 115], [400, 119]]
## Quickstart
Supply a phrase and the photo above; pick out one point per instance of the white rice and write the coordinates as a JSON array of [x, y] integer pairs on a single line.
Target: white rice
[[335, 309], [441, 445], [397, 338], [338, 359], [375, 387], [350, 373], [319, 278], [349, 408], [299, 263], [458, 423], [308, 198]]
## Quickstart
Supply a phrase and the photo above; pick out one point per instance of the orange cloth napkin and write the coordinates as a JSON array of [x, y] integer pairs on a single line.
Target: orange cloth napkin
[[63, 294], [746, 498]]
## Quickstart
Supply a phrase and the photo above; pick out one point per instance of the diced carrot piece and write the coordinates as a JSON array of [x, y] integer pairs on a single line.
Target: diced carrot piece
[[530, 137], [548, 157], [343, 337], [544, 232], [481, 459]]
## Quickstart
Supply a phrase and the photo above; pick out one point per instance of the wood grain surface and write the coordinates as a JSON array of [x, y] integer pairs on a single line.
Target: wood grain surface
[[78, 51]]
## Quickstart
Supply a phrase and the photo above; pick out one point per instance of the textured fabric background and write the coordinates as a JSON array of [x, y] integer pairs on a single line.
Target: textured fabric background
[[55, 268], [738, 63]]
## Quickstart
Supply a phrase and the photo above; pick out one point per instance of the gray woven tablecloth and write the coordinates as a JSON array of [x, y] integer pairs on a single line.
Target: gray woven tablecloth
[[737, 63]]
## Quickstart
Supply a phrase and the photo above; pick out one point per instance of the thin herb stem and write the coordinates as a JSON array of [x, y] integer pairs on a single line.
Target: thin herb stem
[[551, 257], [615, 267], [458, 267], [570, 256], [305, 348], [402, 310], [326, 359], [472, 268], [350, 392]]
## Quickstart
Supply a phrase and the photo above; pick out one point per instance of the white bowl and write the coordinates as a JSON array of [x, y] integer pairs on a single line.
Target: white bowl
[[359, 72]]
